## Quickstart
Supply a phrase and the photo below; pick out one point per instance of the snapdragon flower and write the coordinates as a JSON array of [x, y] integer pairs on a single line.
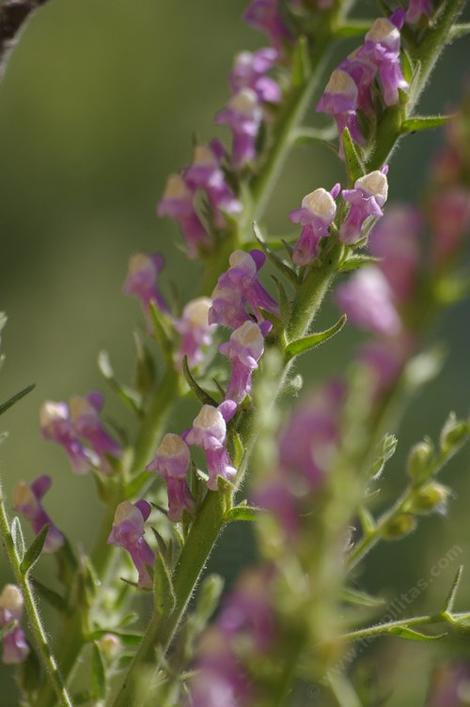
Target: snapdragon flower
[[142, 279], [128, 532], [316, 215], [249, 71], [239, 295], [56, 425], [340, 100], [209, 431], [15, 646], [86, 421], [367, 299], [178, 202], [266, 16], [366, 200], [244, 115], [418, 9], [382, 45], [195, 330], [244, 349], [27, 499], [171, 461]]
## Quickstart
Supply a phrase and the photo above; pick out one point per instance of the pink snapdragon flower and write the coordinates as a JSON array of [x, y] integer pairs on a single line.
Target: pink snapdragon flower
[[86, 421], [15, 646], [418, 9], [209, 431], [340, 100], [367, 299], [142, 279], [244, 349], [366, 200], [171, 461], [56, 425], [250, 71], [27, 499], [244, 115], [178, 203], [195, 330], [266, 16], [382, 45], [239, 295], [128, 532], [316, 215]]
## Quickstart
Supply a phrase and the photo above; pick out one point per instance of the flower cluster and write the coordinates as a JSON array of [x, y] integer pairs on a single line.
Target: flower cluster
[[27, 499], [195, 332], [350, 90], [15, 646], [142, 278], [128, 532], [78, 428]]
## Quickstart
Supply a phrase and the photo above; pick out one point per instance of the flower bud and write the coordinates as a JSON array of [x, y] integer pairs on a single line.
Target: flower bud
[[428, 498], [110, 646], [398, 527], [419, 461], [453, 433]]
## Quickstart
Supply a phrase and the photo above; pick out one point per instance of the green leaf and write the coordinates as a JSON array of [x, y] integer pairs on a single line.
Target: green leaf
[[459, 30], [307, 343], [200, 393], [354, 165], [14, 398], [386, 450], [53, 598], [243, 512], [354, 262], [273, 258], [17, 537], [98, 674], [128, 639], [410, 634], [3, 320], [160, 329], [163, 590], [450, 601], [127, 394], [301, 66], [353, 28], [145, 368], [359, 598], [424, 122], [33, 552]]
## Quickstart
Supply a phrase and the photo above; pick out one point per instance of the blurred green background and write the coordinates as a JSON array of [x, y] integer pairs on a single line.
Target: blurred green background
[[99, 104]]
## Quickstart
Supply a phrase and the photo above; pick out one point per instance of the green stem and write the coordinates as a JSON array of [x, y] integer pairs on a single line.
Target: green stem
[[386, 628], [48, 660]]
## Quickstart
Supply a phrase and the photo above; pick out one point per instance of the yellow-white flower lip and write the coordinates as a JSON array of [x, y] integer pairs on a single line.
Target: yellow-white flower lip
[[382, 29], [79, 407], [249, 335], [243, 58], [22, 495], [209, 417], [203, 155], [125, 511], [11, 598], [321, 203], [173, 446], [176, 188], [139, 262], [241, 258], [375, 183], [197, 311], [245, 101], [341, 83], [51, 411]]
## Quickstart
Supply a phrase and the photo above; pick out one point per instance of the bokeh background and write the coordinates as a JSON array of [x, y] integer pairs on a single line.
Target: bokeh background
[[99, 104]]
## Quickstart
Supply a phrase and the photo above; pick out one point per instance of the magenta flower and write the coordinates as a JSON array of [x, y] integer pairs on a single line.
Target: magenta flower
[[382, 46], [239, 296], [275, 495], [209, 432], [86, 422], [366, 199], [249, 71], [142, 278], [244, 349], [178, 203], [340, 100], [449, 687], [362, 71], [316, 215], [195, 331], [266, 16], [243, 115], [367, 299], [56, 425], [128, 532], [450, 221], [27, 499], [418, 9], [15, 646], [205, 173], [171, 461], [395, 240], [384, 359]]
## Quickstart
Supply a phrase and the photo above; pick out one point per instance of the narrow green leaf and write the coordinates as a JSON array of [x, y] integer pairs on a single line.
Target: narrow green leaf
[[145, 366], [307, 343], [450, 601], [353, 28], [386, 450], [208, 598], [98, 674], [127, 394], [14, 398], [17, 537], [200, 393], [424, 122], [161, 331], [273, 258], [127, 639], [33, 552], [354, 165], [354, 262], [301, 66], [459, 30], [53, 598], [359, 598], [245, 513], [410, 634], [163, 590]]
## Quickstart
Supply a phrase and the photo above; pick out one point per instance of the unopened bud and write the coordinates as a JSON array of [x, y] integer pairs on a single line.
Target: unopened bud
[[398, 527], [419, 461], [110, 645], [453, 433], [428, 498]]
